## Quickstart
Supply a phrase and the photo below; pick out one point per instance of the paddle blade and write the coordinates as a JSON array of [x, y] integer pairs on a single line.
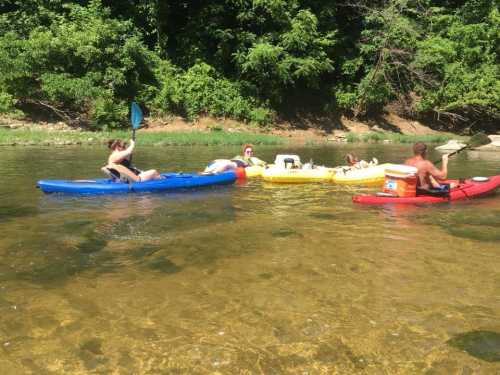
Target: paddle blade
[[135, 115]]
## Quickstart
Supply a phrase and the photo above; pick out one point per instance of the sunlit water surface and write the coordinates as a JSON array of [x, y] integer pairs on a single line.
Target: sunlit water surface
[[254, 278]]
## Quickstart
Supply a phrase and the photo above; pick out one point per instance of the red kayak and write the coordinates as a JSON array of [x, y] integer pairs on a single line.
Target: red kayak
[[466, 189]]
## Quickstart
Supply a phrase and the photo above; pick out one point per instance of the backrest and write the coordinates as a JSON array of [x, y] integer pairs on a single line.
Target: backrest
[[287, 161], [113, 174], [118, 173]]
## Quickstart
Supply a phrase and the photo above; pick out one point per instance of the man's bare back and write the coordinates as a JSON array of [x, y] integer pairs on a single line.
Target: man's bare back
[[427, 173]]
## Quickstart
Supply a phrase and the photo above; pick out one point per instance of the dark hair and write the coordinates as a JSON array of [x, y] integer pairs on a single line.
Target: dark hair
[[419, 148], [114, 143], [351, 159]]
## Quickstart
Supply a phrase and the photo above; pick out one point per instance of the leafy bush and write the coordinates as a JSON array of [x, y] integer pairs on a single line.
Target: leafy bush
[[82, 66], [200, 90], [83, 61], [296, 56], [6, 102], [463, 62]]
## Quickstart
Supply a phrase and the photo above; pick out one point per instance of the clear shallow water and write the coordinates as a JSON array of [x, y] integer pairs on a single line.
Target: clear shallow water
[[253, 278]]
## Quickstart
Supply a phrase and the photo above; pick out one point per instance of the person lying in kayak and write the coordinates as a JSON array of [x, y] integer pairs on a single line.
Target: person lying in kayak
[[119, 162], [248, 157], [222, 165], [428, 176], [353, 161], [247, 160]]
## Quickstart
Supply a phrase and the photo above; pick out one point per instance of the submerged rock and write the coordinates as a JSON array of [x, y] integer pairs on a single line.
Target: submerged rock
[[493, 146], [480, 344]]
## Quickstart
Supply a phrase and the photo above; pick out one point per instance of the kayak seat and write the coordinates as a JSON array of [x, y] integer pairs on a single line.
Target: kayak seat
[[111, 173], [119, 173], [445, 192]]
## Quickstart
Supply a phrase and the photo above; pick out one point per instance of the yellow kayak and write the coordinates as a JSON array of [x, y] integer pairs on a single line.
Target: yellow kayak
[[277, 174], [371, 176], [254, 171]]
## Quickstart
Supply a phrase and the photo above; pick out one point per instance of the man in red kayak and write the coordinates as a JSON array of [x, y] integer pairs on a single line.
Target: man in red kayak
[[428, 174]]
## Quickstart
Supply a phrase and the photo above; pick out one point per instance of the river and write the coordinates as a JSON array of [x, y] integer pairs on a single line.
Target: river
[[255, 278]]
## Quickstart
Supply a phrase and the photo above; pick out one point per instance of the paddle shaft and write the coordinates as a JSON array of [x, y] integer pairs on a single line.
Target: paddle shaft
[[452, 153], [133, 137]]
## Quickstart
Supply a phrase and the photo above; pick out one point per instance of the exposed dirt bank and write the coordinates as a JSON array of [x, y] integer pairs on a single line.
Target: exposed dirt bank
[[308, 130], [302, 131]]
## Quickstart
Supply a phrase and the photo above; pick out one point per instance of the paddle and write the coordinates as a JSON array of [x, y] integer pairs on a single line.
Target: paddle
[[135, 119], [478, 139]]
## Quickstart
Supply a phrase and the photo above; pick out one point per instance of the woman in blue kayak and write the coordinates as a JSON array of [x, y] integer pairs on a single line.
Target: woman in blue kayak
[[119, 161]]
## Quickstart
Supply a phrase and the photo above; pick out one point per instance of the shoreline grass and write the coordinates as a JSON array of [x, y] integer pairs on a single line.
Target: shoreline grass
[[33, 137], [401, 138]]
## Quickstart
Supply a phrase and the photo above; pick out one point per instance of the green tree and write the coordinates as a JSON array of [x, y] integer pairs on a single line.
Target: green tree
[[84, 66]]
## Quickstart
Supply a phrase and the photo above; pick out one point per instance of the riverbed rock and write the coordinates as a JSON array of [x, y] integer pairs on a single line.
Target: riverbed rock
[[493, 146], [452, 145]]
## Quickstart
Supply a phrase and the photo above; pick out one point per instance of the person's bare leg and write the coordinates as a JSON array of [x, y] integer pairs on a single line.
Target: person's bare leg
[[220, 166], [151, 174], [434, 183]]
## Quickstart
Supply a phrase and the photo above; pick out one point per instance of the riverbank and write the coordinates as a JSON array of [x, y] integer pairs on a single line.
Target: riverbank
[[57, 137], [209, 131]]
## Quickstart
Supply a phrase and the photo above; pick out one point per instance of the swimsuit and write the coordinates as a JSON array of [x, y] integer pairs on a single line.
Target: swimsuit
[[126, 163]]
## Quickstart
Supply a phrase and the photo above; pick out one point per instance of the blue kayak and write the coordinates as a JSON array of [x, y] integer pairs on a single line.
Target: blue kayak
[[171, 181]]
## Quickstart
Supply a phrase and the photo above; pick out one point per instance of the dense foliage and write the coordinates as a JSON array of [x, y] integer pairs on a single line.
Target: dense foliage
[[253, 60]]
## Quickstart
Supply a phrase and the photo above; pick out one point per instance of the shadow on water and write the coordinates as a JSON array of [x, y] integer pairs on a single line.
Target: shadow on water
[[468, 224], [74, 225], [51, 261], [163, 264], [286, 232], [15, 212], [145, 251], [161, 222], [92, 354], [93, 243], [60, 262], [484, 345], [343, 217], [150, 256]]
